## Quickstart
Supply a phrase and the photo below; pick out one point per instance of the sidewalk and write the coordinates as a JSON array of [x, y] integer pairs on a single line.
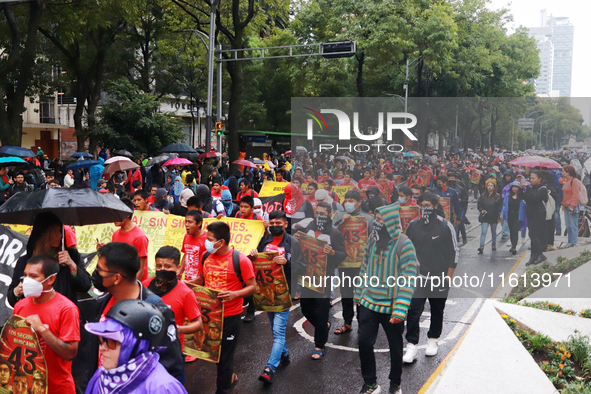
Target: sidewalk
[[491, 360]]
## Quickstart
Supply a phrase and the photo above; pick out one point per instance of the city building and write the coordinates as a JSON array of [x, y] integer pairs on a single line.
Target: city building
[[555, 37]]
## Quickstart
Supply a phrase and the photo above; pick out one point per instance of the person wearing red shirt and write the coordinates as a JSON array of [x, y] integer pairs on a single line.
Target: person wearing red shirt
[[217, 273], [312, 187], [140, 201], [218, 186], [152, 197], [325, 176], [245, 190], [131, 234], [193, 245], [176, 294], [328, 184], [405, 197], [54, 318], [280, 175], [246, 207], [366, 182]]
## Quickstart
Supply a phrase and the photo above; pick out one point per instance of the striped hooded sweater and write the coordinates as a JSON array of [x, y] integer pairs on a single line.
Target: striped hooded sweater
[[393, 300]]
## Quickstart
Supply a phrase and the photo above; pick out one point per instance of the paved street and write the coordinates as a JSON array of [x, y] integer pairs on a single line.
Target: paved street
[[339, 371]]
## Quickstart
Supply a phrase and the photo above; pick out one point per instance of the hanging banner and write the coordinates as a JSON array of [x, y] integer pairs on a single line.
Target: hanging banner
[[446, 204], [355, 235], [22, 368], [272, 293], [407, 215], [207, 343], [315, 260], [271, 188]]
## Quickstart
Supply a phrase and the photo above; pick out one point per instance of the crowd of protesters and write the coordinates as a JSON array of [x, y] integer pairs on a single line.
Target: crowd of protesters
[[119, 335]]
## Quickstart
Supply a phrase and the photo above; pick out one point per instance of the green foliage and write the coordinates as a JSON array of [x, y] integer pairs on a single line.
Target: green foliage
[[580, 348], [577, 388], [130, 120]]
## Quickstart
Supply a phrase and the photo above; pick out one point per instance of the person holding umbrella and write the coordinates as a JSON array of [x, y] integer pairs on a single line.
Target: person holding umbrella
[[46, 238]]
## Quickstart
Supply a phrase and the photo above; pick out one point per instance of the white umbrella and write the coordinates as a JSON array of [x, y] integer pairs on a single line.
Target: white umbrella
[[115, 159]]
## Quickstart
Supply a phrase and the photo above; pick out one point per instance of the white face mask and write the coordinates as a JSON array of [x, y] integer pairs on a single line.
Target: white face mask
[[33, 288]]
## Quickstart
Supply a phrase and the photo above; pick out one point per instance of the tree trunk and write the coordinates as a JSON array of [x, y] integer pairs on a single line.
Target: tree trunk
[[237, 76], [360, 62]]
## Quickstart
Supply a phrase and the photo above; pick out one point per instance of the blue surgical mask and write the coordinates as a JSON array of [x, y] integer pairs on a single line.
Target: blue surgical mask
[[402, 200], [210, 246], [350, 207]]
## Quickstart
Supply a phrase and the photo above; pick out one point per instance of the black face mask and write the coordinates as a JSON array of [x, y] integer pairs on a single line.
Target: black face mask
[[323, 223], [451, 184], [380, 234], [276, 230], [427, 214], [166, 275], [97, 281]]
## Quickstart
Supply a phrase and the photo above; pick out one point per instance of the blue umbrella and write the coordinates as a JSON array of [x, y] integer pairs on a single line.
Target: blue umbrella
[[408, 154], [11, 161], [81, 154], [82, 164], [16, 151]]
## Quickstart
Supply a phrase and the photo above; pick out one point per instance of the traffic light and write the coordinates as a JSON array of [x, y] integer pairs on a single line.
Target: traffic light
[[219, 128]]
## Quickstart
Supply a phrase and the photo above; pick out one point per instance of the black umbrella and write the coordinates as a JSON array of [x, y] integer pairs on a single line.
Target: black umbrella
[[160, 159], [74, 207], [82, 164], [178, 148], [122, 152]]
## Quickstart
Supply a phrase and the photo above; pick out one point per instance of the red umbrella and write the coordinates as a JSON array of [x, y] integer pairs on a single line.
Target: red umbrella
[[246, 163], [535, 161], [177, 161], [288, 152], [209, 154]]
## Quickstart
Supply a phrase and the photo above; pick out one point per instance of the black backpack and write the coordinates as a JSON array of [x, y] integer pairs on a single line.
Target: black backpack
[[235, 263]]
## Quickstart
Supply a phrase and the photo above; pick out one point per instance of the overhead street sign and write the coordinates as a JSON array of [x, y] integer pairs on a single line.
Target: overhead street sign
[[526, 123]]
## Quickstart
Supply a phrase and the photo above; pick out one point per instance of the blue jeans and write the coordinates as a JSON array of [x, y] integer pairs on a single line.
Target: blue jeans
[[571, 222], [493, 230], [278, 321]]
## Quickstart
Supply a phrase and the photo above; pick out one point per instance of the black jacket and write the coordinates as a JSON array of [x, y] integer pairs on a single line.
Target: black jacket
[[535, 197], [65, 284], [86, 361], [435, 244], [492, 204], [293, 253]]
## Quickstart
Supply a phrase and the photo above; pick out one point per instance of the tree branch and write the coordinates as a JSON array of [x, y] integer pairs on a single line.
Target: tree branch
[[16, 39], [249, 16]]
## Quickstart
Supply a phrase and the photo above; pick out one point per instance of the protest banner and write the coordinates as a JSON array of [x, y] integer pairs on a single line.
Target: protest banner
[[271, 188], [475, 176], [426, 175], [407, 215], [20, 347], [315, 260], [273, 203], [355, 235], [245, 234], [386, 190], [207, 343], [272, 293], [339, 190], [446, 204]]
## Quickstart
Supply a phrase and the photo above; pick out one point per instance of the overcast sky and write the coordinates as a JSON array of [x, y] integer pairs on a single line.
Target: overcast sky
[[527, 13]]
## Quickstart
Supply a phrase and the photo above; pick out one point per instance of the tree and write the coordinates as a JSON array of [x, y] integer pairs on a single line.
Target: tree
[[19, 41], [130, 120]]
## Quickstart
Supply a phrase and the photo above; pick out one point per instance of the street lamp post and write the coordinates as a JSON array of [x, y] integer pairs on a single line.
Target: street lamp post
[[210, 53]]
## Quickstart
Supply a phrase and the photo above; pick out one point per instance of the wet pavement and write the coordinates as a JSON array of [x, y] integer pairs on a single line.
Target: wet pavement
[[339, 371]]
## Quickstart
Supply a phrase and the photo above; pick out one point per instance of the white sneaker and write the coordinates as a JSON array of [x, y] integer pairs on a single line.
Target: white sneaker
[[432, 347], [411, 353]]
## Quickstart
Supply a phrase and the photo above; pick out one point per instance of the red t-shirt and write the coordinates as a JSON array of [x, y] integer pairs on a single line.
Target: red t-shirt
[[219, 274], [218, 195], [193, 248], [253, 216], [70, 237], [62, 318], [274, 246], [183, 303], [137, 238], [251, 193], [364, 185]]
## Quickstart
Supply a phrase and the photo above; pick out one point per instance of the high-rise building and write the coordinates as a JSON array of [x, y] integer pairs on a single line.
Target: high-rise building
[[554, 34]]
